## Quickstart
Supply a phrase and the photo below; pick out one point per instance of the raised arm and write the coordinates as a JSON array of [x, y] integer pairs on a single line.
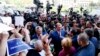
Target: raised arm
[[46, 45], [3, 43]]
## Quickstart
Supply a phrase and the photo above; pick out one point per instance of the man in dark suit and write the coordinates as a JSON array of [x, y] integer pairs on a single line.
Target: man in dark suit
[[38, 33], [57, 36]]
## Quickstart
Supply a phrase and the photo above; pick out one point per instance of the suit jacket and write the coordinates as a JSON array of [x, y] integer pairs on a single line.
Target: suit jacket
[[33, 53], [88, 50], [36, 37], [56, 39]]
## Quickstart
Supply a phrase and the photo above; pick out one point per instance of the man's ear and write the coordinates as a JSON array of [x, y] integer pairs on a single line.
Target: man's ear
[[80, 42]]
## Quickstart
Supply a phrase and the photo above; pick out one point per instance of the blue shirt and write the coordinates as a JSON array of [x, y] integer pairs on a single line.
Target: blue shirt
[[94, 41], [88, 50], [35, 36], [74, 41]]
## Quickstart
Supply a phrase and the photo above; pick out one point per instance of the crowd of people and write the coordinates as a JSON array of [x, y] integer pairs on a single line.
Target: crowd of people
[[55, 35]]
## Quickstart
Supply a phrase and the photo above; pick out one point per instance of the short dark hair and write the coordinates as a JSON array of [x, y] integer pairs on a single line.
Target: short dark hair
[[89, 32]]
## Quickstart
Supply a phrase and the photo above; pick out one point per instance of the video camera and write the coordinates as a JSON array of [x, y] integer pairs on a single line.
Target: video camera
[[59, 9], [48, 7]]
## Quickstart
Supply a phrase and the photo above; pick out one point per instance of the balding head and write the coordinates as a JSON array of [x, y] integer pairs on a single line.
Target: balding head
[[83, 39], [38, 45]]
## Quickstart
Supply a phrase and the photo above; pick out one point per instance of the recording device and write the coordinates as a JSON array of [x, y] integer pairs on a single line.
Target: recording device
[[70, 11], [48, 7], [39, 5], [85, 13], [81, 9], [59, 9], [37, 2]]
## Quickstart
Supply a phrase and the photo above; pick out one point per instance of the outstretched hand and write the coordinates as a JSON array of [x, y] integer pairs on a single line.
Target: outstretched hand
[[28, 24], [3, 42], [46, 42]]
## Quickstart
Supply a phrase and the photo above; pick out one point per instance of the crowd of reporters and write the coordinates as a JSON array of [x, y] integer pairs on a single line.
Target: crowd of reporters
[[55, 35]]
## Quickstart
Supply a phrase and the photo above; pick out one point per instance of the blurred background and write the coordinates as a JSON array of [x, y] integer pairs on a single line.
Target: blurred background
[[23, 4]]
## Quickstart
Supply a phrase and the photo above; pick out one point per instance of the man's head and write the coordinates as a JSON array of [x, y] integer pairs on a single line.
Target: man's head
[[82, 21], [88, 24], [89, 32], [38, 30], [58, 26], [83, 39], [38, 45]]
